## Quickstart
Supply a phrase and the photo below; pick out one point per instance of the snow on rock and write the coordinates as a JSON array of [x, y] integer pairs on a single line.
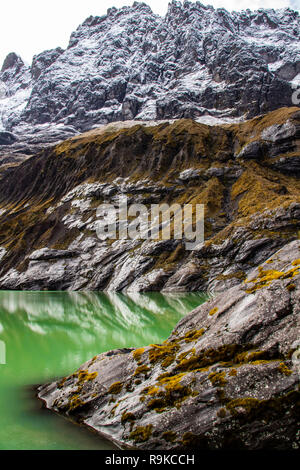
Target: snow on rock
[[131, 64]]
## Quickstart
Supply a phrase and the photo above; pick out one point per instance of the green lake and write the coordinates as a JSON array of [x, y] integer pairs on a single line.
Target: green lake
[[44, 335]]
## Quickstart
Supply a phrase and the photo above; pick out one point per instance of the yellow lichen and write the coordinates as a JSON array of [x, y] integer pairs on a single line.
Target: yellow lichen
[[213, 311], [138, 353], [265, 278], [143, 369], [164, 353], [115, 388], [193, 335]]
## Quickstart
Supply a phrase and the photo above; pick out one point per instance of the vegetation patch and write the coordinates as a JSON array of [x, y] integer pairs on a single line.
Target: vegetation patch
[[164, 353], [213, 311], [127, 417], [193, 335], [141, 433], [115, 388], [265, 278], [218, 378], [137, 354], [284, 369], [169, 436]]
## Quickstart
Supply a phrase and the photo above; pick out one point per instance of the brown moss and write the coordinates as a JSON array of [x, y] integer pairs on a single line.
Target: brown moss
[[248, 409], [169, 436], [171, 393], [163, 353], [75, 402], [61, 383], [284, 369], [193, 335], [218, 378], [266, 277], [240, 275], [141, 433], [208, 357], [85, 376], [127, 417], [221, 413]]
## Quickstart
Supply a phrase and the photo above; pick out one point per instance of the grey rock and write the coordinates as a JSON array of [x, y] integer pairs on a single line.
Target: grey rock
[[7, 138], [189, 174], [46, 254], [279, 132]]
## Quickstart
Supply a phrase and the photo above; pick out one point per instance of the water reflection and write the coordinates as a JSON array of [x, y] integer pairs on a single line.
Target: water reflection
[[53, 332], [50, 334]]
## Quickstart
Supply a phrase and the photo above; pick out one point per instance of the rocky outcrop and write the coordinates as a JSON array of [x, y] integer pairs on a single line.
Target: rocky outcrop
[[196, 62], [227, 377], [48, 205]]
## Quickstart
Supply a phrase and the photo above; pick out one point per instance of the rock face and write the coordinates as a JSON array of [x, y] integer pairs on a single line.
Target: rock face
[[227, 377], [133, 64], [246, 175]]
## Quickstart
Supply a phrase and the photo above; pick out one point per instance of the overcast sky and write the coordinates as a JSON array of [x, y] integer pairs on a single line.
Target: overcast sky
[[28, 27]]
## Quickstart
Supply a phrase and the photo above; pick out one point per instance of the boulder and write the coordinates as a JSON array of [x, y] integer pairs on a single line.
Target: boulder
[[227, 377], [7, 138]]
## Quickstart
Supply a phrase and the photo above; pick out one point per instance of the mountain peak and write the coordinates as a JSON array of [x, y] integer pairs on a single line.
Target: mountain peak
[[12, 60], [134, 64]]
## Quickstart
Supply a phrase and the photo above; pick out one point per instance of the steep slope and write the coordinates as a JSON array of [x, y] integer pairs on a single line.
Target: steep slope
[[227, 377], [132, 64], [247, 175]]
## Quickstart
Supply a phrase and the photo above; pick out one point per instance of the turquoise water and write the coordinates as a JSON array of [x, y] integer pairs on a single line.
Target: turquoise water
[[44, 335]]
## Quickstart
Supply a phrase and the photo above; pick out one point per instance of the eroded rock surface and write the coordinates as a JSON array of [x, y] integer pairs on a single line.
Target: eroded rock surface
[[48, 205], [227, 377]]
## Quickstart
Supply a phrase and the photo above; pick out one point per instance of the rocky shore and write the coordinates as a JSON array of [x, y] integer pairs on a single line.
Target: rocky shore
[[246, 175], [227, 377]]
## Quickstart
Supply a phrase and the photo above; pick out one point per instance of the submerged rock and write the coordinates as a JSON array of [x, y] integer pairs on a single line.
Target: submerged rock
[[227, 377]]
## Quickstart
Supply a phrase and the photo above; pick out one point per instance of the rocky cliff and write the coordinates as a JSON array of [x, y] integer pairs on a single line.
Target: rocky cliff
[[226, 378], [195, 62], [246, 175]]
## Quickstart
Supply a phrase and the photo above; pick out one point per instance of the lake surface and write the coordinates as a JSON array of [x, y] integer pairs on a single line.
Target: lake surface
[[44, 335]]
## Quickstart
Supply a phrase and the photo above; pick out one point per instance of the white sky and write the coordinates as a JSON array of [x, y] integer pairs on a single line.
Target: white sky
[[28, 27]]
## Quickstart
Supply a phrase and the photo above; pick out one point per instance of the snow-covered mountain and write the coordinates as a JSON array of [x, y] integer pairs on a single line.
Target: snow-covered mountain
[[133, 64]]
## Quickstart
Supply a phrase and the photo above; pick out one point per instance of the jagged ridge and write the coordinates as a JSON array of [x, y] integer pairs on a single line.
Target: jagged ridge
[[134, 64]]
